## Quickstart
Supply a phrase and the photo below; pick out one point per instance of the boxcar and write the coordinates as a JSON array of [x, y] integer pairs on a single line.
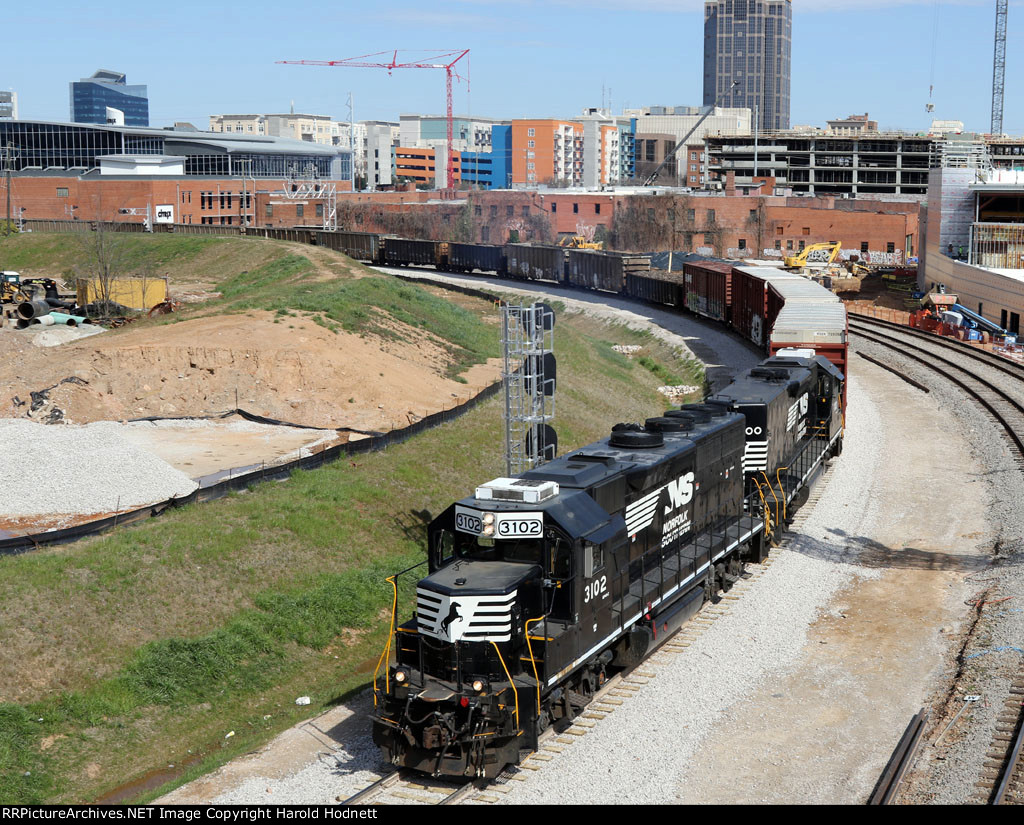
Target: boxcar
[[749, 315], [708, 289], [537, 263], [788, 292], [465, 257]]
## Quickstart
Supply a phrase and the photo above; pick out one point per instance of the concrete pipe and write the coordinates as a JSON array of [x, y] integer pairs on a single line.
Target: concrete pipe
[[44, 320], [33, 309]]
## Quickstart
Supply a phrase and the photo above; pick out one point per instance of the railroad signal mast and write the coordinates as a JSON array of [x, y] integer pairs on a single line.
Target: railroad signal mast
[[444, 60]]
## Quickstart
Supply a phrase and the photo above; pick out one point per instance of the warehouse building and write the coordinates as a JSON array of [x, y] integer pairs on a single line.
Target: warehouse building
[[68, 171]]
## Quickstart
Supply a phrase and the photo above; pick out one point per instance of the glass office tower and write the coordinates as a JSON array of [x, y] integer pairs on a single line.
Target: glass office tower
[[749, 42], [92, 96]]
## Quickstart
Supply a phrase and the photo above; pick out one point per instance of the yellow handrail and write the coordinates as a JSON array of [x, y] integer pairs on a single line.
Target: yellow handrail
[[772, 489], [781, 490], [386, 655], [533, 661], [764, 504], [508, 676]]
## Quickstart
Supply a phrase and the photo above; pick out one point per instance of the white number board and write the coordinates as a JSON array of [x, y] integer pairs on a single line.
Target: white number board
[[506, 525]]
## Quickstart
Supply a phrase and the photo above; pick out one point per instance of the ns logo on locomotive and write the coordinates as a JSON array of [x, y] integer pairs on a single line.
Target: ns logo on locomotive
[[541, 586]]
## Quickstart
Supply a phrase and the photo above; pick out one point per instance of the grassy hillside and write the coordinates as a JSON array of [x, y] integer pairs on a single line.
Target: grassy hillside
[[180, 257], [145, 648]]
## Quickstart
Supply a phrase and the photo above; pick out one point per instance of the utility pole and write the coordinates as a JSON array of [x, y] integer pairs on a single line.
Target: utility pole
[[7, 167]]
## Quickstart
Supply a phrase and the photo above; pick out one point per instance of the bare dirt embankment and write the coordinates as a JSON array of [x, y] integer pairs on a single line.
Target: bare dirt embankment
[[288, 368]]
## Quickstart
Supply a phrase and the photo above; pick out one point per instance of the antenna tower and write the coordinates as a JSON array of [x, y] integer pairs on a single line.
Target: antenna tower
[[999, 67]]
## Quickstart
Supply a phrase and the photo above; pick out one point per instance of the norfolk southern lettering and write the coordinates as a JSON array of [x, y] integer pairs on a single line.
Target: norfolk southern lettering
[[543, 585]]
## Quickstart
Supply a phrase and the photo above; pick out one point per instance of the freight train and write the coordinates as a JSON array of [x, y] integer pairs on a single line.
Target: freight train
[[540, 587]]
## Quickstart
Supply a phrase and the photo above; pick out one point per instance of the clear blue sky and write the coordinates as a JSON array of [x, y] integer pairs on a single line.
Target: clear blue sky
[[529, 57]]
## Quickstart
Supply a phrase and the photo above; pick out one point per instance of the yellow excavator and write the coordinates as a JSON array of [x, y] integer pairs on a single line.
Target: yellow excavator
[[821, 260], [579, 242], [816, 253]]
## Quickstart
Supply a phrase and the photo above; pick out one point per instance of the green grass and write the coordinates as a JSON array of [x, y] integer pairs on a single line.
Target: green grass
[[146, 647], [367, 305], [181, 257]]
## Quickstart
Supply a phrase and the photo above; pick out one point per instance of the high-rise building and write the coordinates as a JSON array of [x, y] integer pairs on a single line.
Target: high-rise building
[[749, 42], [92, 97], [8, 105]]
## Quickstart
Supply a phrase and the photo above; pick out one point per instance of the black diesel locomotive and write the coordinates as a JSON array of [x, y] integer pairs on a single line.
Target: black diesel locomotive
[[541, 586]]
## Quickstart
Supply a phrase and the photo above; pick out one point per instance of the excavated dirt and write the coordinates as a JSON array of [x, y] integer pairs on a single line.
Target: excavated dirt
[[292, 370]]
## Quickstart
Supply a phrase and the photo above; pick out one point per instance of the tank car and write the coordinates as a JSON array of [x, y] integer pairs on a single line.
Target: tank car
[[541, 586]]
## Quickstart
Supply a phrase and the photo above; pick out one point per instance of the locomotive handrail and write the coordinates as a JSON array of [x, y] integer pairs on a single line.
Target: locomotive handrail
[[772, 490], [533, 660], [515, 693], [781, 490], [767, 512], [386, 655]]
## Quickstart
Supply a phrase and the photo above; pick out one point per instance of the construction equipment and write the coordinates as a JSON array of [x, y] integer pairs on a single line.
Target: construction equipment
[[10, 288], [579, 242], [816, 253]]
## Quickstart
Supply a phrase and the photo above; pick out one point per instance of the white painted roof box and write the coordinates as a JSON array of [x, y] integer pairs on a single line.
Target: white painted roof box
[[527, 490]]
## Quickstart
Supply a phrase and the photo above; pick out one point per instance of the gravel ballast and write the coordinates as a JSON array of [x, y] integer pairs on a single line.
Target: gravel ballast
[[78, 470], [947, 774]]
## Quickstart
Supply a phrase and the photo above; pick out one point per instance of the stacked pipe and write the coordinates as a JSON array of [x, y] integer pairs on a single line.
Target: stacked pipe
[[39, 312]]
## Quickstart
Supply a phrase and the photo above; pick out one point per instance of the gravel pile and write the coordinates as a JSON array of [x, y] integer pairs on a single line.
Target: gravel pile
[[947, 774], [64, 470]]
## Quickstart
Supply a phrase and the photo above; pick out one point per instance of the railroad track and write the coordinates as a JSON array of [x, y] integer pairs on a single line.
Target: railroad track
[[1003, 782], [973, 371]]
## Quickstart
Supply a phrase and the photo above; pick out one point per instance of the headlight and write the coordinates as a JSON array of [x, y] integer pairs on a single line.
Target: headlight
[[479, 685], [401, 676], [488, 518], [488, 530]]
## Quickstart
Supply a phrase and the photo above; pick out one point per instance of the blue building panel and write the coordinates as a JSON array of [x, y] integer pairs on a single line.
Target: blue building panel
[[490, 170], [91, 96]]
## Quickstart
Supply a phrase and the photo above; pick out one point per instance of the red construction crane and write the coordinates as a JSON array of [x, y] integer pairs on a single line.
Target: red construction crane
[[448, 61]]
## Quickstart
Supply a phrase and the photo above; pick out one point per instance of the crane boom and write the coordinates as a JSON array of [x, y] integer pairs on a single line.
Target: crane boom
[[654, 175], [448, 61]]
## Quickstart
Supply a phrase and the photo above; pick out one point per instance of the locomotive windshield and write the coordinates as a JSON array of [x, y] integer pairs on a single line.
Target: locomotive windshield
[[485, 548]]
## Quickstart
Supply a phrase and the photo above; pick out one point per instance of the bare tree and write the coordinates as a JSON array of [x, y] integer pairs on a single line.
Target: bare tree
[[104, 255]]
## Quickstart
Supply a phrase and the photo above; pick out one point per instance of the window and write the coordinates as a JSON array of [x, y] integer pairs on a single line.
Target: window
[[485, 233], [890, 247], [510, 211], [554, 206], [531, 132], [805, 231], [743, 243], [319, 210], [778, 244], [300, 210], [531, 144], [650, 214], [709, 239], [691, 214], [62, 191], [575, 208], [526, 211], [270, 211], [778, 230], [478, 210], [789, 245], [446, 218], [494, 210], [711, 216], [802, 244], [753, 214], [597, 209], [863, 247]]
